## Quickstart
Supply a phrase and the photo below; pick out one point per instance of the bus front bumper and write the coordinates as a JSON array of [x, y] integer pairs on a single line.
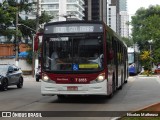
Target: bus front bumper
[[50, 89]]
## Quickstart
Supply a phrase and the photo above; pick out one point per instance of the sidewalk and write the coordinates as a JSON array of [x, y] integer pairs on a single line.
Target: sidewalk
[[151, 109], [156, 76]]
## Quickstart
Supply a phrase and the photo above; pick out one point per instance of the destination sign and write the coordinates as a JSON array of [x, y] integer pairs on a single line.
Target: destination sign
[[73, 28]]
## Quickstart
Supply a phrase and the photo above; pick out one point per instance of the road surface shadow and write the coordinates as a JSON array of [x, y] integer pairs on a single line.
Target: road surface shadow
[[82, 99]]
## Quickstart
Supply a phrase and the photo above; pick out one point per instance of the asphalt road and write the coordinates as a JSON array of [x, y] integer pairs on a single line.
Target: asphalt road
[[136, 94]]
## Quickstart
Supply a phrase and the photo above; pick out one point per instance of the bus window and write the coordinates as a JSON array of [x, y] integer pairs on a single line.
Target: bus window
[[109, 51], [77, 53]]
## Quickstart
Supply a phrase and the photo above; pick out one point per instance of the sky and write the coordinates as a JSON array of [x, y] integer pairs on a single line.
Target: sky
[[134, 5]]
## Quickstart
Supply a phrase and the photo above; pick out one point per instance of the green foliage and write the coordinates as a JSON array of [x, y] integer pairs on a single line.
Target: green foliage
[[8, 10], [31, 23], [146, 59], [29, 56], [129, 42], [146, 27], [156, 56], [45, 18], [7, 15], [146, 24]]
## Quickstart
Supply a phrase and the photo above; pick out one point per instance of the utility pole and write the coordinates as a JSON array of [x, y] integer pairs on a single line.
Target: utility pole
[[35, 55], [16, 37], [37, 16]]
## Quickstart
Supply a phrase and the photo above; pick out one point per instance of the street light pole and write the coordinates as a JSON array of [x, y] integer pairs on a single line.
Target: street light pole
[[16, 37], [27, 27], [35, 56], [32, 41], [150, 55]]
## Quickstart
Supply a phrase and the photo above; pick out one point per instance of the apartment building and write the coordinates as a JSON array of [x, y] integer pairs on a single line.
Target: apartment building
[[118, 17], [96, 10], [123, 19], [112, 15], [124, 26], [62, 10]]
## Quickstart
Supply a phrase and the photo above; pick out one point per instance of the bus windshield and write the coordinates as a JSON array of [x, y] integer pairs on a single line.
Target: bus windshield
[[130, 58], [78, 52]]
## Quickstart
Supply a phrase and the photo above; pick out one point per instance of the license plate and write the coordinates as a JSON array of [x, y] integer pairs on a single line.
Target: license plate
[[72, 88]]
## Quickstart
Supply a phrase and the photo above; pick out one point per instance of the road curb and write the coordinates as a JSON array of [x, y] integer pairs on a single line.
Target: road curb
[[147, 76], [116, 118], [151, 105]]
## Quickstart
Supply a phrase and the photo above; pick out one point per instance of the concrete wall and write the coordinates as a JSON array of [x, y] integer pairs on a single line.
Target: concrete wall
[[22, 64]]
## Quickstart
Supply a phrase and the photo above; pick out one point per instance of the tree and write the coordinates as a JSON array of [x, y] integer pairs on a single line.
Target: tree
[[129, 42], [146, 24], [146, 27], [7, 15], [44, 18], [8, 11]]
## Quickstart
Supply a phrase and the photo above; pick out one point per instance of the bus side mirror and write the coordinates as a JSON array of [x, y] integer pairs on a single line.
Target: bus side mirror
[[36, 41], [111, 54]]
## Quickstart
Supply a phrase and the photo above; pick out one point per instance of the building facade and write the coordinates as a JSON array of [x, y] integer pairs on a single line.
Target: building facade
[[96, 10], [62, 10], [118, 17], [124, 26], [123, 18], [112, 15]]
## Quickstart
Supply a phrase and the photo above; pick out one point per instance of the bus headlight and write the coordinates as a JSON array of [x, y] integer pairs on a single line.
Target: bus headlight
[[45, 78], [101, 77]]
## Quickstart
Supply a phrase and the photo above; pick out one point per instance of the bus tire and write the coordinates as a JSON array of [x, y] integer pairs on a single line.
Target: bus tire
[[125, 81]]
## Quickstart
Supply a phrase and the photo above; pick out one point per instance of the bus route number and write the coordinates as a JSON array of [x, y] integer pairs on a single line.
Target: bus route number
[[81, 80]]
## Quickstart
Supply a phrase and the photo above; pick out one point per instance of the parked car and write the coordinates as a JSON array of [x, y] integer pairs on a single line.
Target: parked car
[[38, 74], [10, 75]]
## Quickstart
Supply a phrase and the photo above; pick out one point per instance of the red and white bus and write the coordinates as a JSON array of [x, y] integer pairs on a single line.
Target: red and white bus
[[82, 58]]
